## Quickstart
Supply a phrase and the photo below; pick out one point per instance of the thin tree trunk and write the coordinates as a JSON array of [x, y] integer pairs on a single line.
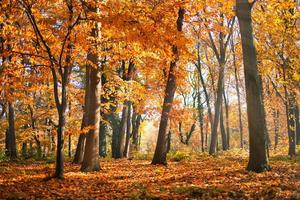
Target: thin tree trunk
[[218, 105], [12, 149], [200, 118], [276, 127], [226, 103], [160, 155], [102, 139], [297, 124], [258, 160], [223, 132], [128, 131], [78, 158], [236, 75]]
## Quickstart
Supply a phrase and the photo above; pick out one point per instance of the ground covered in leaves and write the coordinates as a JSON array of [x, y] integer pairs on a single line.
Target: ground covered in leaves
[[202, 177]]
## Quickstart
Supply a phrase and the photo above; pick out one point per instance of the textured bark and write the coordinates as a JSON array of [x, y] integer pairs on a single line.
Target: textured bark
[[79, 149], [223, 132], [136, 122], [218, 105], [160, 154], [297, 124], [258, 161], [128, 131], [91, 152], [226, 104], [276, 127], [11, 134], [200, 119], [102, 139]]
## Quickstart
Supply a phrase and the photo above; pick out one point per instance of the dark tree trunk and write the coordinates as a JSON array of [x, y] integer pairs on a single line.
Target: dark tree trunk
[[258, 161], [169, 141], [160, 154], [102, 139], [223, 132], [12, 148], [291, 124], [218, 105], [128, 131], [297, 124], [78, 158], [79, 149], [276, 127], [226, 103], [122, 132], [136, 121], [24, 149], [200, 118]]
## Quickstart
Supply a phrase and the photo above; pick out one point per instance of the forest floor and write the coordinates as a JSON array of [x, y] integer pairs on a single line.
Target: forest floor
[[201, 177]]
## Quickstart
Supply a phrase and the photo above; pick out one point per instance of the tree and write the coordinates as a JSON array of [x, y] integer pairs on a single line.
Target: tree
[[258, 161], [160, 155]]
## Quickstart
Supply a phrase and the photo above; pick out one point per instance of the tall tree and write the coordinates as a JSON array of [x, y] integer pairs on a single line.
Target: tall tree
[[160, 155], [258, 161]]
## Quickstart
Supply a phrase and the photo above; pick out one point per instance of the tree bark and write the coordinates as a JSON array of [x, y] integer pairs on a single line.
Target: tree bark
[[276, 127], [226, 104], [128, 131], [91, 153], [223, 132], [102, 139], [160, 155], [12, 149], [258, 161]]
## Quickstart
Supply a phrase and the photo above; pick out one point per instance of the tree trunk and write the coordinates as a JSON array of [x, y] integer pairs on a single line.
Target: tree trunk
[[276, 127], [91, 153], [136, 121], [218, 105], [128, 131], [79, 149], [238, 95], [122, 132], [223, 132], [226, 103], [24, 149], [297, 124], [78, 158], [160, 155], [12, 149], [258, 161], [200, 118], [102, 139]]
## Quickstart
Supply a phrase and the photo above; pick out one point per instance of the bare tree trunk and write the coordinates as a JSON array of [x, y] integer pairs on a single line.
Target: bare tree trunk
[[297, 124], [238, 95], [258, 161], [91, 153], [223, 132], [78, 158], [276, 127], [218, 105], [160, 155], [200, 118], [102, 139], [128, 131], [12, 149], [226, 103]]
